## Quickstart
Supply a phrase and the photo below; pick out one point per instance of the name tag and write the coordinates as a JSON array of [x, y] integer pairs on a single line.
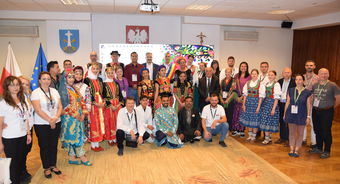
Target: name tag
[[316, 103], [294, 109], [134, 77], [124, 94], [224, 94]]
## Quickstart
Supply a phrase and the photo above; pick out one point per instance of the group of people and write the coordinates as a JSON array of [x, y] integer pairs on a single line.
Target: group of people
[[168, 104]]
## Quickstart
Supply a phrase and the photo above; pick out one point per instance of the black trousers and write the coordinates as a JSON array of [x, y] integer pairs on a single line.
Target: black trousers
[[284, 131], [28, 149], [230, 113], [15, 149], [322, 121], [121, 136], [48, 143]]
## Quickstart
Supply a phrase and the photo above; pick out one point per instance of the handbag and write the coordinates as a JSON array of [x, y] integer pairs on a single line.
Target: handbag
[[4, 170]]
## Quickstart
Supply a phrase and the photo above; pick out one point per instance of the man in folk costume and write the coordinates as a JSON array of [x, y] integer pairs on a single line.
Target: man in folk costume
[[166, 122], [114, 101], [97, 126]]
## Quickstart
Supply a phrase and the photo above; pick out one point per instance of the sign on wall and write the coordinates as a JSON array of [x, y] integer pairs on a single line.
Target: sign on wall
[[137, 34], [69, 40]]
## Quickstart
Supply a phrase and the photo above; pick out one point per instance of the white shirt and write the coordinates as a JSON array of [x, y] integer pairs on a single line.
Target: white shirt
[[147, 115], [284, 90], [150, 68], [126, 121], [167, 67], [211, 114], [50, 108], [264, 78], [251, 84], [234, 72], [277, 90], [15, 119]]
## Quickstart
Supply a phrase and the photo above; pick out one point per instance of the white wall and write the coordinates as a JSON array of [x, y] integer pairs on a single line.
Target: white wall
[[53, 50], [25, 48], [274, 46]]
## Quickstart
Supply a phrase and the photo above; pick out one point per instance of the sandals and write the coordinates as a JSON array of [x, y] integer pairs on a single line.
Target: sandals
[[48, 176], [74, 162], [55, 170], [87, 163]]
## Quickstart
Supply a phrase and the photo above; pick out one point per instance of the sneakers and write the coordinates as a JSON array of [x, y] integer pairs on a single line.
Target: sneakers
[[120, 152], [267, 140], [315, 151], [222, 143], [242, 134], [325, 155]]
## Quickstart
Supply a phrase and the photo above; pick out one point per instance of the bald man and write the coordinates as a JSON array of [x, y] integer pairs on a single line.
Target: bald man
[[286, 82], [207, 86], [326, 97], [93, 59]]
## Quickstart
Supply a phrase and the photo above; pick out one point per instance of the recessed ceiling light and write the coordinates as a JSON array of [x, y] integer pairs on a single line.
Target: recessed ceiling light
[[198, 7], [279, 12], [74, 2]]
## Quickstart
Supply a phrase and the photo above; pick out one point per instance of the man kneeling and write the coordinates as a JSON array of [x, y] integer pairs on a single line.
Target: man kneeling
[[166, 122], [130, 126], [214, 121], [190, 127]]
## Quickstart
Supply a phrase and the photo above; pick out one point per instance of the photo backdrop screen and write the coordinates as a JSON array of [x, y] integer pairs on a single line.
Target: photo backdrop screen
[[202, 53]]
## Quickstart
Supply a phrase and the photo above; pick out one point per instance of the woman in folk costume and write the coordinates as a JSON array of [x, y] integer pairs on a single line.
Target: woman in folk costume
[[97, 125], [250, 116], [269, 115], [181, 89], [162, 85], [72, 129], [146, 87], [114, 101], [84, 91]]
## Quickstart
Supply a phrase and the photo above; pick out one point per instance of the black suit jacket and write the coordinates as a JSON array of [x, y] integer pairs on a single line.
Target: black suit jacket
[[183, 126], [155, 70], [290, 85], [214, 87]]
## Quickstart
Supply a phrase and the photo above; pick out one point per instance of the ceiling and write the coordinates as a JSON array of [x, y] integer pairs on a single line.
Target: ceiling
[[249, 9]]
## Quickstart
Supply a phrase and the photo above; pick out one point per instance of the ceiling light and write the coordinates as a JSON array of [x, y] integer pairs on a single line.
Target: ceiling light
[[74, 2], [198, 7], [279, 12]]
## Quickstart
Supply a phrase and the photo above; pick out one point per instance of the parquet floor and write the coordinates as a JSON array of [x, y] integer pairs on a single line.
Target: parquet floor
[[306, 169]]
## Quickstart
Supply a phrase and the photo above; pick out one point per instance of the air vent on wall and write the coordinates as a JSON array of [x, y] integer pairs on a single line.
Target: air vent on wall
[[19, 31], [241, 35]]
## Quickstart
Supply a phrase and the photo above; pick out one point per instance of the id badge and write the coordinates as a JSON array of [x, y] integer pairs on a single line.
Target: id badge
[[316, 103], [224, 94], [124, 94], [134, 77], [294, 109]]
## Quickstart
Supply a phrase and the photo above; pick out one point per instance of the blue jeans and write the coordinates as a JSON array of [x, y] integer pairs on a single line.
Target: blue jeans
[[134, 93], [222, 129]]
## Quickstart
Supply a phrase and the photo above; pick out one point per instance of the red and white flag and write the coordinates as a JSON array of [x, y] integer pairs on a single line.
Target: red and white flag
[[11, 67]]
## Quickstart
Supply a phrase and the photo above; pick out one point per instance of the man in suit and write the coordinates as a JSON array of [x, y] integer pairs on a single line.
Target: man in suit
[[153, 68], [189, 126], [207, 86], [286, 82]]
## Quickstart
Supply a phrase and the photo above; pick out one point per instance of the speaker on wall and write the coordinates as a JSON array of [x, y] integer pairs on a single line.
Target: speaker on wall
[[286, 24]]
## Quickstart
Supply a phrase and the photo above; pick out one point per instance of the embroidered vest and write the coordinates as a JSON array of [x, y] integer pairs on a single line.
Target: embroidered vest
[[270, 90], [253, 91]]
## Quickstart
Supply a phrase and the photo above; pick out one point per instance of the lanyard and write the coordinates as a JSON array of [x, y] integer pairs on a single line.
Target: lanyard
[[297, 98], [320, 90], [213, 115], [22, 111], [49, 97], [130, 118]]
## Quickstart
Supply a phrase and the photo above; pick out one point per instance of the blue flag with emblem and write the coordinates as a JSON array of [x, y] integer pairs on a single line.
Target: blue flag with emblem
[[40, 65]]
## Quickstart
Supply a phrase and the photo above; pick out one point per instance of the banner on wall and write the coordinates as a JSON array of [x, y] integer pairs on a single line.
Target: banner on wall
[[69, 40], [202, 53], [137, 34]]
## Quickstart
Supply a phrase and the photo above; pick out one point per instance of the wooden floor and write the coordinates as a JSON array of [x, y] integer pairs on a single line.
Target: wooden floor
[[235, 164]]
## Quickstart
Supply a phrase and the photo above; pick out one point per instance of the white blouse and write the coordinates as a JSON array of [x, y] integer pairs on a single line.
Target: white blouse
[[277, 90], [251, 84]]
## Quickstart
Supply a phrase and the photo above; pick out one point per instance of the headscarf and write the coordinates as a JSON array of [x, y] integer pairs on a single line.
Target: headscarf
[[91, 75]]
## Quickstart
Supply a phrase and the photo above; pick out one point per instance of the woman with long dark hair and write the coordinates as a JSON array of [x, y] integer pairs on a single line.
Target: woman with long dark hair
[[47, 105], [216, 68], [241, 79], [181, 89], [14, 125]]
